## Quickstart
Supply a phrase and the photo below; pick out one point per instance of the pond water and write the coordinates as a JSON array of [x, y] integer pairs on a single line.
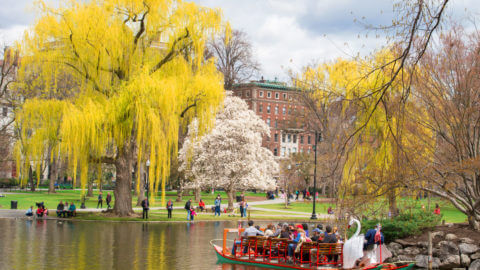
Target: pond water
[[50, 244]]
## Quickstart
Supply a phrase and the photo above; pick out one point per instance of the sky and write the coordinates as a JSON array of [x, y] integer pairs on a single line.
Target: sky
[[285, 34]]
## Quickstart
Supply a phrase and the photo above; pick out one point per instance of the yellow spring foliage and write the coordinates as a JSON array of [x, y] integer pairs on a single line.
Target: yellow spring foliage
[[133, 72]]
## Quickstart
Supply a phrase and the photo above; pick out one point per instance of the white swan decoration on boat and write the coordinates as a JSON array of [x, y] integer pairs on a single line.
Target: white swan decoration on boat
[[353, 247]]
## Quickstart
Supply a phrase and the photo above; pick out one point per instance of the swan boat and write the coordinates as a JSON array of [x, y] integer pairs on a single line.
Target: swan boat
[[261, 257]]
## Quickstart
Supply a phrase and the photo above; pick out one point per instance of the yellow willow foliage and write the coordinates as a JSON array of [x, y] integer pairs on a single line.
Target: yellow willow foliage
[[373, 151], [38, 127], [135, 71]]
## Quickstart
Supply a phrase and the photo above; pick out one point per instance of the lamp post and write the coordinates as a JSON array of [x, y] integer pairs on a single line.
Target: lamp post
[[314, 215], [146, 182]]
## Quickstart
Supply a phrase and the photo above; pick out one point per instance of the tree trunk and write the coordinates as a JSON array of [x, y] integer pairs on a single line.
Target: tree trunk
[[123, 188], [180, 191], [53, 175], [198, 194], [392, 203], [30, 178], [141, 188], [474, 222], [230, 195], [90, 189]]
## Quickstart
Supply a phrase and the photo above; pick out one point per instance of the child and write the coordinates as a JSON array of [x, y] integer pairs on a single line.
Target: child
[[192, 213]]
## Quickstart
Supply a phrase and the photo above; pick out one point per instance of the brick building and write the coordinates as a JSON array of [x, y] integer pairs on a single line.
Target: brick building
[[278, 106]]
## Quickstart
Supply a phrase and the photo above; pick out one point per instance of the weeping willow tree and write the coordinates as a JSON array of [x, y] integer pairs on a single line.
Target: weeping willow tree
[[137, 73], [380, 145]]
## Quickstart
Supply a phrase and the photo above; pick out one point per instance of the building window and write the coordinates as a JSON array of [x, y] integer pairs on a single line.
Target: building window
[[284, 110], [301, 150], [285, 96], [294, 150], [275, 151], [5, 111], [289, 111], [260, 108], [275, 137], [283, 151], [248, 93], [267, 139], [276, 109], [283, 137], [277, 95], [276, 123], [268, 122], [260, 94], [309, 140], [289, 151], [269, 94], [308, 150], [240, 93], [289, 137], [301, 139], [294, 138], [268, 109]]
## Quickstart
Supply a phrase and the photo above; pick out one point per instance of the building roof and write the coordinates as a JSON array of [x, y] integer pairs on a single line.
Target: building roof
[[266, 84]]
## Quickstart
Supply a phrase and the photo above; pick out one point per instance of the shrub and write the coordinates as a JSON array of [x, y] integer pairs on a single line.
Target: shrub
[[404, 225]]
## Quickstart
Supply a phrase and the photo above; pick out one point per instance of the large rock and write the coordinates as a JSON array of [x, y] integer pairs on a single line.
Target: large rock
[[450, 262], [411, 251], [450, 237], [422, 244], [475, 265], [405, 243], [467, 240], [475, 256], [439, 234], [394, 248], [468, 248], [422, 261], [446, 248], [465, 260]]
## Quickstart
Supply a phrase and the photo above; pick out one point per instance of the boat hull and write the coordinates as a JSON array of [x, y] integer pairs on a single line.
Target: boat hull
[[228, 259]]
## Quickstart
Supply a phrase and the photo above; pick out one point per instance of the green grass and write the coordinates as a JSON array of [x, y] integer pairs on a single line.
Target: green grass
[[449, 212], [26, 199], [180, 215]]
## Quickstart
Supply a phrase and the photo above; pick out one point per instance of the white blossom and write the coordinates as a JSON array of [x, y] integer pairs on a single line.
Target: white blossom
[[231, 156]]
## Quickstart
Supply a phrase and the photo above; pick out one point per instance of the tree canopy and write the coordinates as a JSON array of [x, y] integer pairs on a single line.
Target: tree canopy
[[136, 71]]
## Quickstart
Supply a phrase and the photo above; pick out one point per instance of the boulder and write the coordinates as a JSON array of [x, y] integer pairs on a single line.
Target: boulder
[[467, 240], [475, 256], [411, 251], [422, 244], [394, 248], [450, 262], [422, 261], [450, 237], [475, 265], [468, 248], [439, 234], [465, 260], [405, 243], [405, 258], [447, 247]]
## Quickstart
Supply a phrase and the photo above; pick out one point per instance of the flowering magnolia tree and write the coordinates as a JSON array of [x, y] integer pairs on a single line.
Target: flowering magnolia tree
[[231, 156]]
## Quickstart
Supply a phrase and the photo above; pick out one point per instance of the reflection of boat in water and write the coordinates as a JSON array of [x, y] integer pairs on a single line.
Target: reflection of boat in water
[[271, 253]]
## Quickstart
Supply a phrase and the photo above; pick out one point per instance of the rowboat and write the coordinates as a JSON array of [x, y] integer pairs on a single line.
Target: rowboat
[[224, 255]]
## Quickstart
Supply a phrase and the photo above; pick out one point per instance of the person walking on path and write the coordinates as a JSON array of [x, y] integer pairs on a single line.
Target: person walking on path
[[297, 193], [241, 208], [100, 200], [145, 208], [169, 208], [218, 202], [188, 206], [108, 200]]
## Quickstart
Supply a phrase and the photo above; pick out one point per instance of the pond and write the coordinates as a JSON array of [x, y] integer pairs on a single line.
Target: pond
[[51, 244]]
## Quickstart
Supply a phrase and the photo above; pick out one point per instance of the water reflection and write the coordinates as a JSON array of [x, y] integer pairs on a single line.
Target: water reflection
[[42, 244]]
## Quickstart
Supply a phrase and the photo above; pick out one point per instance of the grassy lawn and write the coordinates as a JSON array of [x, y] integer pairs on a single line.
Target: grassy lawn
[[449, 212], [180, 215], [26, 198]]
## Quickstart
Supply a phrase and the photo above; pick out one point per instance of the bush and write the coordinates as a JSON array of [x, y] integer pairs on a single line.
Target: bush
[[404, 225]]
